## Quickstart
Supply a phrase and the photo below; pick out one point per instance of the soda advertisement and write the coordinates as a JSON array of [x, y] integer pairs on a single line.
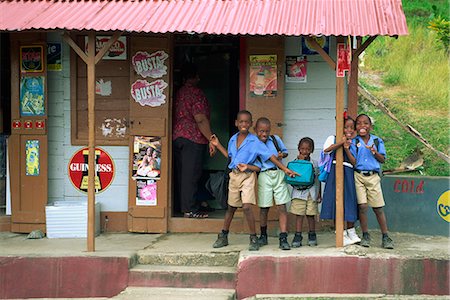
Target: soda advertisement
[[78, 170], [147, 157], [54, 57], [118, 50], [32, 59], [296, 69], [32, 165], [263, 75], [32, 96]]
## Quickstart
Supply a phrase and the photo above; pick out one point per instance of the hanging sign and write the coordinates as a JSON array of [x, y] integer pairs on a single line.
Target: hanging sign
[[147, 157], [78, 170], [54, 60], [343, 60], [32, 165], [117, 51], [32, 59], [308, 49], [150, 65], [296, 69], [146, 191], [149, 93], [263, 75], [32, 96]]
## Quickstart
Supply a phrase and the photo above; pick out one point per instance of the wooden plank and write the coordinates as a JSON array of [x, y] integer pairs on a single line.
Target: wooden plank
[[68, 39]]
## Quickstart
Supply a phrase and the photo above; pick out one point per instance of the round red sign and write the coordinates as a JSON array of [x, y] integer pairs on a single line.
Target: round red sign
[[78, 170]]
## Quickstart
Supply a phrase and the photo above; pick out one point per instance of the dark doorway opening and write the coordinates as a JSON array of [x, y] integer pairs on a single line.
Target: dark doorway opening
[[217, 60], [5, 113]]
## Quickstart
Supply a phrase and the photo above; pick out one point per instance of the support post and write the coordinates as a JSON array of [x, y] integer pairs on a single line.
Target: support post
[[91, 142], [340, 87]]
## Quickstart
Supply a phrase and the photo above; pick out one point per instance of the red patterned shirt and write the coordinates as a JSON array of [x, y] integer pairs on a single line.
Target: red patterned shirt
[[190, 101]]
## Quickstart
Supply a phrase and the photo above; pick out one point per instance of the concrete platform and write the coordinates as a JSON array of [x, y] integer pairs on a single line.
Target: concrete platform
[[61, 268]]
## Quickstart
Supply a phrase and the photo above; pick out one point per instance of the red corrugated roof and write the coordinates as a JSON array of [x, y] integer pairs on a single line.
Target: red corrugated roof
[[255, 17]]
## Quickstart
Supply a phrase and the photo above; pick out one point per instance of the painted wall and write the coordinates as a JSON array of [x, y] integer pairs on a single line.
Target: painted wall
[[115, 197], [412, 205], [310, 108]]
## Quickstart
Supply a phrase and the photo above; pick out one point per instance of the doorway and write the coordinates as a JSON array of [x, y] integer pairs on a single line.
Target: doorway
[[217, 60]]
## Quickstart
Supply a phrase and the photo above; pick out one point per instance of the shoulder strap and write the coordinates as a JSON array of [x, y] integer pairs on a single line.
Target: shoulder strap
[[356, 143], [376, 141], [275, 143]]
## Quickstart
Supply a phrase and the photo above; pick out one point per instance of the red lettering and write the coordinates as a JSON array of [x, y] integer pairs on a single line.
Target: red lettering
[[396, 184], [419, 189], [404, 186]]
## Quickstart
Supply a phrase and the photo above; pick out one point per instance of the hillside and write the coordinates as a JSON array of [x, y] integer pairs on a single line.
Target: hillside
[[410, 75]]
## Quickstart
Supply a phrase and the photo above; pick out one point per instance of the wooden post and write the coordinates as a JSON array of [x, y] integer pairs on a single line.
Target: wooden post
[[340, 87], [91, 142], [352, 106]]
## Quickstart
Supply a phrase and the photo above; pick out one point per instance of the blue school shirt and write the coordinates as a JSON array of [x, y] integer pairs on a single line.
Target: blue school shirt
[[267, 164], [248, 151], [365, 160]]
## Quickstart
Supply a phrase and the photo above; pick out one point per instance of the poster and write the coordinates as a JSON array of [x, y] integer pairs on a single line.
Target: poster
[[323, 42], [32, 59], [146, 191], [296, 69], [343, 60], [32, 96], [150, 65], [118, 50], [263, 75], [32, 165], [149, 93], [147, 157], [54, 59]]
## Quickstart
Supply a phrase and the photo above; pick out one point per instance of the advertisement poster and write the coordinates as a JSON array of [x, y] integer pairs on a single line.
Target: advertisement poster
[[79, 165], [32, 59], [149, 93], [323, 42], [32, 96], [150, 65], [147, 157], [146, 190], [54, 57], [263, 75], [296, 69], [118, 50], [343, 61], [32, 165]]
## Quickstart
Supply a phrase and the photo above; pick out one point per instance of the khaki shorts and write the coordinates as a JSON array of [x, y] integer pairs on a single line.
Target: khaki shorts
[[304, 207], [271, 186], [241, 188], [368, 190]]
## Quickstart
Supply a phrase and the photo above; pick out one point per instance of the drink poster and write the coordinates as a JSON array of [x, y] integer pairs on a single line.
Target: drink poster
[[146, 191], [150, 65], [147, 157], [296, 67], [149, 93], [32, 59], [118, 50], [32, 165], [263, 75], [32, 96], [343, 61], [54, 59], [323, 41]]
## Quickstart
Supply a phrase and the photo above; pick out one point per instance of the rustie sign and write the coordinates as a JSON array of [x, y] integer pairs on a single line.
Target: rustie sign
[[78, 170]]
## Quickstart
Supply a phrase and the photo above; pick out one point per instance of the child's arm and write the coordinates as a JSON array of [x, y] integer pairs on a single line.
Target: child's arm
[[378, 156], [288, 172], [350, 156], [245, 167], [216, 143], [335, 145]]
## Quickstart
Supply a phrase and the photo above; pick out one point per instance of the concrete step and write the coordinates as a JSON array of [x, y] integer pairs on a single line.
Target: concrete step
[[141, 293], [228, 259], [183, 276]]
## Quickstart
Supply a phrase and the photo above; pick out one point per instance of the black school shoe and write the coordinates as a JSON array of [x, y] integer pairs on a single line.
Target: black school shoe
[[262, 240], [312, 239], [297, 241], [284, 245], [387, 242], [253, 246]]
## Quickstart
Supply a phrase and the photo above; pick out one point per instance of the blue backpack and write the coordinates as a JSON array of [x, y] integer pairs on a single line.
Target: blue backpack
[[325, 162], [305, 169]]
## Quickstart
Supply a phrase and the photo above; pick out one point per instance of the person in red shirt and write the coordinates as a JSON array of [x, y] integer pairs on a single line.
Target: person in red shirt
[[191, 135]]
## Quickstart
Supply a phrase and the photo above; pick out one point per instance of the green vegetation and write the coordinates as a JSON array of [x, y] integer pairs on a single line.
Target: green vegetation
[[411, 76]]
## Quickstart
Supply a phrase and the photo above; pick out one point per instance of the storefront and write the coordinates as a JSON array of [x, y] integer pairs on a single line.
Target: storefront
[[277, 71]]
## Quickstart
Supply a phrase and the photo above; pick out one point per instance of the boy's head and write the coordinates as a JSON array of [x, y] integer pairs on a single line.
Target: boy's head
[[262, 129], [243, 121], [305, 147], [363, 125], [349, 128]]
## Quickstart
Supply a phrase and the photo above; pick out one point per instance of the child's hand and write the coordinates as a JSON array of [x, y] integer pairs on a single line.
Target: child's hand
[[214, 140], [372, 149], [280, 155], [212, 149], [319, 199], [291, 173], [242, 167], [347, 143]]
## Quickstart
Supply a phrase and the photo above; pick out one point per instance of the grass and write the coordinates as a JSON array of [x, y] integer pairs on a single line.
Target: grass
[[413, 82]]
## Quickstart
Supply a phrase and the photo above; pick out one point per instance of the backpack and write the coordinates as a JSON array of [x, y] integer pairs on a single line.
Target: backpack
[[305, 169], [325, 162]]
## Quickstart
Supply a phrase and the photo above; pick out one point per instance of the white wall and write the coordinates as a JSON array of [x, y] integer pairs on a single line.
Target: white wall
[[115, 197], [309, 108]]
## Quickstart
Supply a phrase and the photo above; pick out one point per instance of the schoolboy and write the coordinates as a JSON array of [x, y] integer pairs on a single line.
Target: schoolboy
[[243, 150], [305, 200], [369, 152], [271, 184]]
